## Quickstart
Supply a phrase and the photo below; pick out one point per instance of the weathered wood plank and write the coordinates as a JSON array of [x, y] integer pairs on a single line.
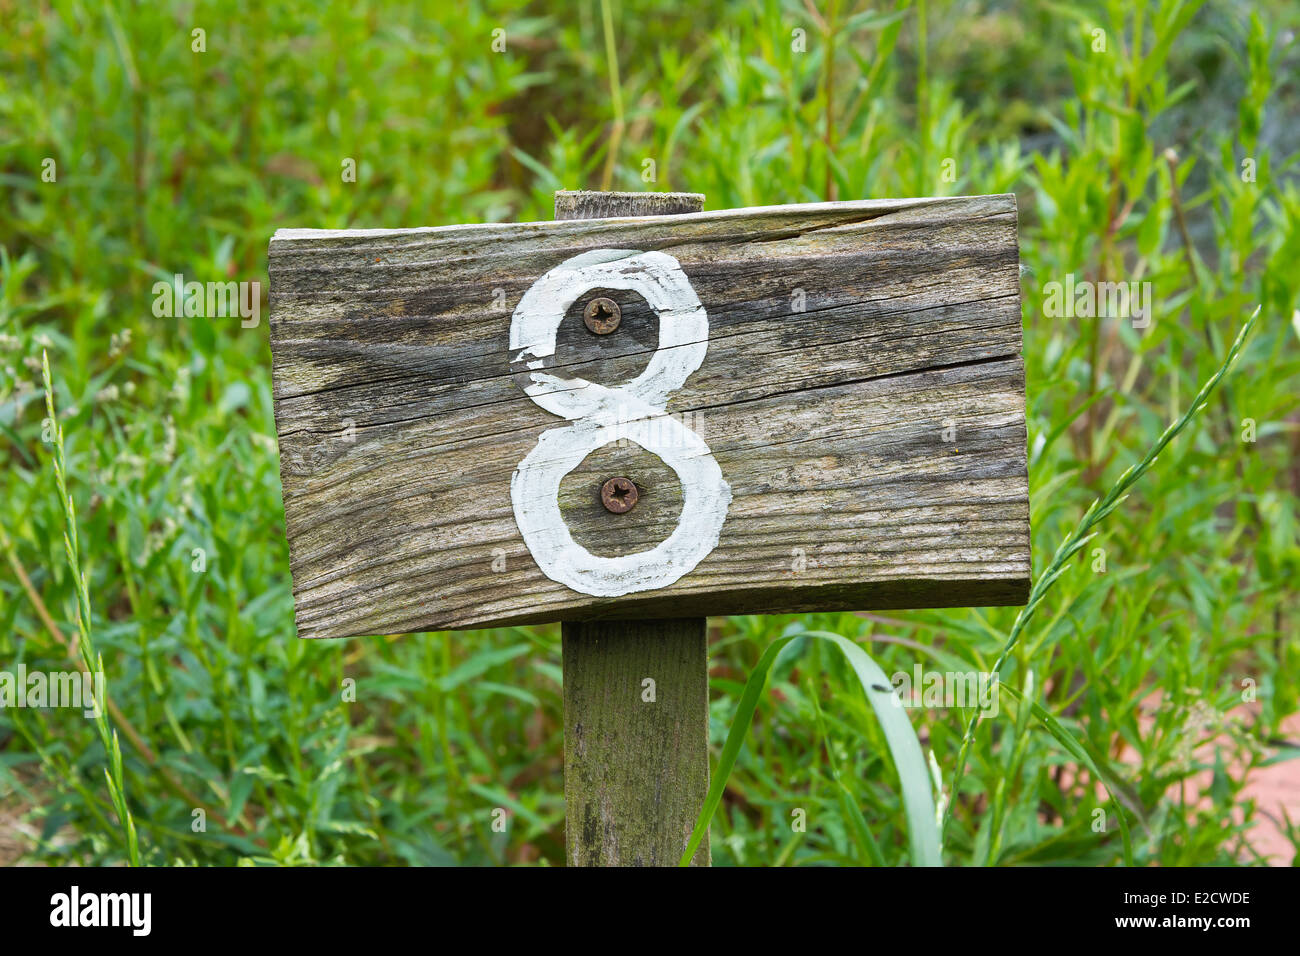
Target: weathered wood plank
[[846, 342]]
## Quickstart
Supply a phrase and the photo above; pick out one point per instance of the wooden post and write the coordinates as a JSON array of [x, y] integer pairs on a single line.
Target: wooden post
[[636, 754]]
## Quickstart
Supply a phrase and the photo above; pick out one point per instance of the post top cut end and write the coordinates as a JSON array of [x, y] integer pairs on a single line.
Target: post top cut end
[[585, 204]]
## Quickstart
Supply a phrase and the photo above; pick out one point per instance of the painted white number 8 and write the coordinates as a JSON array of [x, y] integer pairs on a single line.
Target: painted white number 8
[[601, 415]]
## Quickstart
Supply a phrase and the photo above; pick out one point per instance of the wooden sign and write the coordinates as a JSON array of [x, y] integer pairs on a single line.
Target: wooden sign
[[789, 408]]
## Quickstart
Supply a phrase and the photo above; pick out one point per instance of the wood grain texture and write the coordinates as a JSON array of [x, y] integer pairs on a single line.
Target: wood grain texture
[[847, 341], [587, 204], [636, 771]]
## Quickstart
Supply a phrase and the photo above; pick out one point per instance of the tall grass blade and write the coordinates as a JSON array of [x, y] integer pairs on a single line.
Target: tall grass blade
[[918, 801], [93, 662]]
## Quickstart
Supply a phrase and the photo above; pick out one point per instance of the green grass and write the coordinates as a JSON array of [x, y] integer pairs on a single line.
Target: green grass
[[1128, 166]]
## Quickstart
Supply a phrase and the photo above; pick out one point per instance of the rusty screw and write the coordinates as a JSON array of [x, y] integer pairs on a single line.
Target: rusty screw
[[602, 315], [619, 495]]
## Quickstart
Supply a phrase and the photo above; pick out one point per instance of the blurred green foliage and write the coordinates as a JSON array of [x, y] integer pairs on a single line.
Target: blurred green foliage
[[1146, 142]]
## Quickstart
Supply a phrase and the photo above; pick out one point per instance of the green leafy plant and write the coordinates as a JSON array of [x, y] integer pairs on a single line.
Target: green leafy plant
[[1169, 156], [1071, 546]]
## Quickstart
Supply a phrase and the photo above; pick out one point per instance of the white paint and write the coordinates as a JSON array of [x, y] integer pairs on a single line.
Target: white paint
[[602, 415]]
